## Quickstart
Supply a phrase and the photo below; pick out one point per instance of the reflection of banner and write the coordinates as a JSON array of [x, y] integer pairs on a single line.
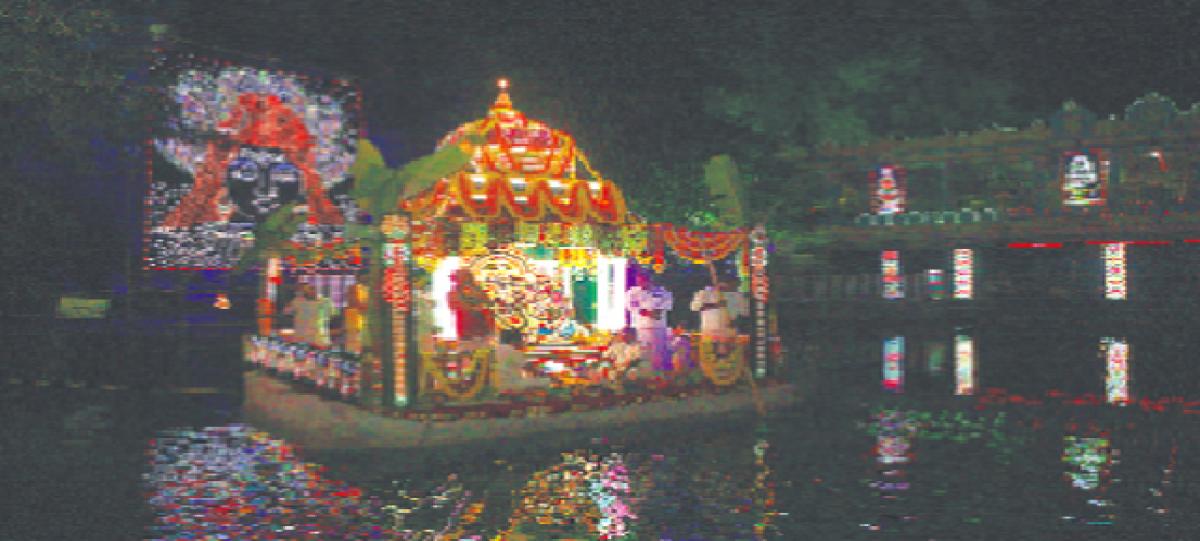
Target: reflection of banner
[[1084, 177], [77, 308]]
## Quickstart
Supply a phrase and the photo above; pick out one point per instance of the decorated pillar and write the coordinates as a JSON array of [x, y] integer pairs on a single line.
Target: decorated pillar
[[759, 285], [269, 297], [397, 295]]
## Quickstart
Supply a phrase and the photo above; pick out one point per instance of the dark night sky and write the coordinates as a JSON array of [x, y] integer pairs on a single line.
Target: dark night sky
[[629, 79], [426, 66]]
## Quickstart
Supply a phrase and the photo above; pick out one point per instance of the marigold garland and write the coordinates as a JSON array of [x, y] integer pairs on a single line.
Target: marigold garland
[[702, 247], [482, 361], [722, 370]]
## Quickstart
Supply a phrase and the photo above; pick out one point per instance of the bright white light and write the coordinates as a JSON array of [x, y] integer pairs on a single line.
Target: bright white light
[[568, 291], [443, 316], [610, 286]]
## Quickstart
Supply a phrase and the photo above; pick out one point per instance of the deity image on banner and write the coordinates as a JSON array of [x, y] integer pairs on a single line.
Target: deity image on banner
[[242, 143]]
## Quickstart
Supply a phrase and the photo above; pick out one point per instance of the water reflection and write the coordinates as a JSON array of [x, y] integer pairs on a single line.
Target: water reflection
[[893, 451], [893, 364], [234, 482], [964, 365], [585, 496], [932, 462], [1116, 380]]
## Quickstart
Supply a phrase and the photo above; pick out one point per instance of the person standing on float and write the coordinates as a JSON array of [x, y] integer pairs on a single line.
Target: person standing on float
[[719, 306], [648, 304], [312, 313]]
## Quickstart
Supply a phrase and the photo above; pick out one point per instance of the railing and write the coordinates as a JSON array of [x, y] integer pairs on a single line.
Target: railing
[[336, 372]]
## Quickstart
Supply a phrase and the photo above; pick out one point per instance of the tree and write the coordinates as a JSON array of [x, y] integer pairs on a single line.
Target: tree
[[724, 184], [74, 121]]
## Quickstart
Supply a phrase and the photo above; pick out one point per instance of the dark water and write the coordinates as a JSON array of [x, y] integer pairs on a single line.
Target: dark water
[[1035, 453]]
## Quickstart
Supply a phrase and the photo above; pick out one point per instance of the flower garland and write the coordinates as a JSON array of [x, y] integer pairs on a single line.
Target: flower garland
[[428, 243], [451, 388], [483, 196], [721, 369], [702, 247]]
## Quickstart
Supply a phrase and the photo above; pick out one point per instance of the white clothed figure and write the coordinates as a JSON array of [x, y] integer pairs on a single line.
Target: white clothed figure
[[648, 305], [718, 310]]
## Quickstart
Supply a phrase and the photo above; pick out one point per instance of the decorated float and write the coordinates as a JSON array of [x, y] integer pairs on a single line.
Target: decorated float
[[520, 277]]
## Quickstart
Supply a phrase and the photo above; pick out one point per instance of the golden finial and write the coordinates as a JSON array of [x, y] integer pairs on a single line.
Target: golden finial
[[502, 101]]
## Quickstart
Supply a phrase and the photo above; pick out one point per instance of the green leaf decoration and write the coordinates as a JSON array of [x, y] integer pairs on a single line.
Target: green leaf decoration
[[722, 179]]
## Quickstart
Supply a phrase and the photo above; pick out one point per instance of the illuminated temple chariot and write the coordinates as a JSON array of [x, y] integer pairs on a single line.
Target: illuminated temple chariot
[[523, 276]]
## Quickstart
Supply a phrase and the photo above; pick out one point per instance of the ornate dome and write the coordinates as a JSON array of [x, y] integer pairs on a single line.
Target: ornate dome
[[523, 167]]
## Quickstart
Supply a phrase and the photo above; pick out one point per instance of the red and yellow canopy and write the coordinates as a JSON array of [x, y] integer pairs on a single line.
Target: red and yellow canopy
[[522, 168]]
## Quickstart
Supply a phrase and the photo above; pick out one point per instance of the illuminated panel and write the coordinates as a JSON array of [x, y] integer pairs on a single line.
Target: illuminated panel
[[964, 365], [237, 144], [936, 280], [1116, 381], [1115, 287], [964, 273], [443, 316], [893, 364], [610, 301], [1084, 178], [888, 190], [893, 281]]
